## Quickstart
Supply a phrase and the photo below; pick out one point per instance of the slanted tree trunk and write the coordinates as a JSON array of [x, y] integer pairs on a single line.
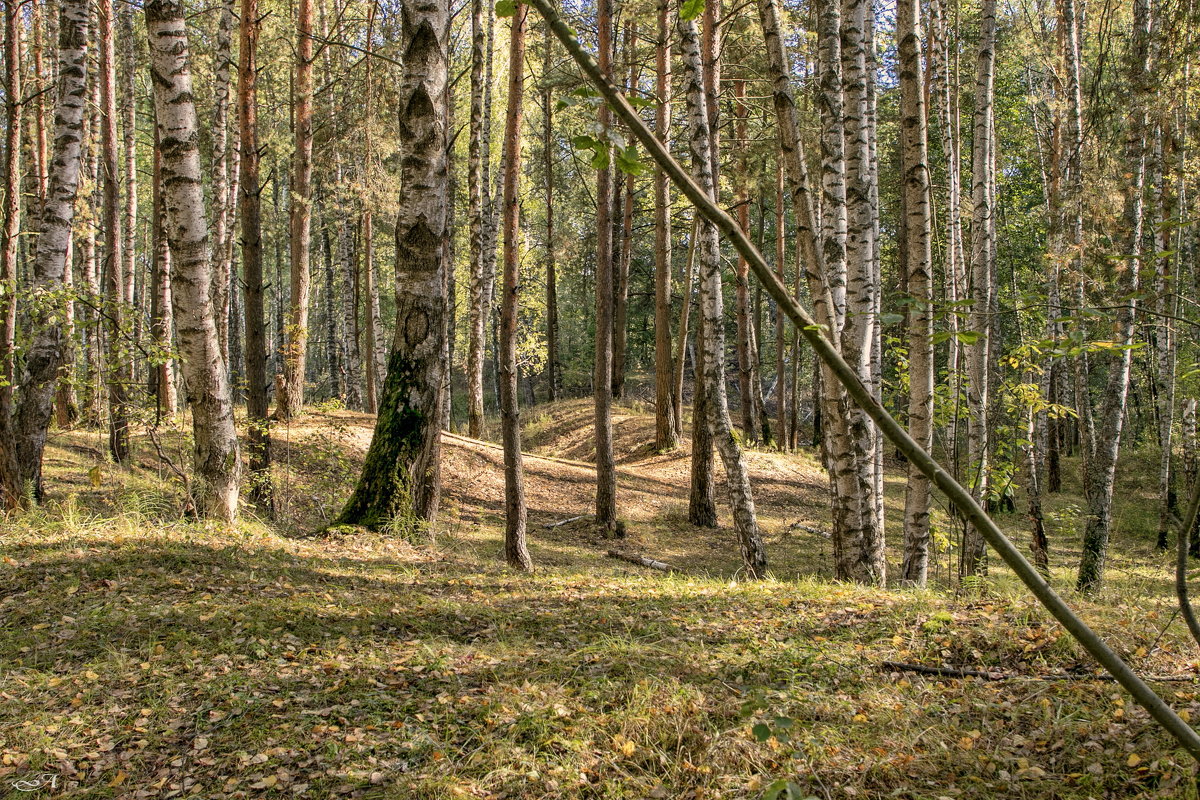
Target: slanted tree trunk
[[741, 498], [481, 283], [295, 354], [918, 230], [222, 208], [666, 435], [606, 474], [162, 320], [259, 439], [115, 293], [1102, 459], [401, 479], [215, 455], [983, 277], [46, 351], [515, 551]]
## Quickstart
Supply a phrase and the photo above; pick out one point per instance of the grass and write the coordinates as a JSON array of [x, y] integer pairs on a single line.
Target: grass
[[142, 656]]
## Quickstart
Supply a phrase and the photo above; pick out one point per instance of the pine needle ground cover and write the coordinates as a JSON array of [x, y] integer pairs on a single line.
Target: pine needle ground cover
[[141, 656]]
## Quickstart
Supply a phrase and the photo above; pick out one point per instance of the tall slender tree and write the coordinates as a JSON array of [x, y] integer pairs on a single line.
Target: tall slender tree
[[10, 488], [737, 476], [983, 278], [295, 354], [45, 353], [918, 255], [516, 553], [665, 435], [250, 201], [215, 453], [606, 473]]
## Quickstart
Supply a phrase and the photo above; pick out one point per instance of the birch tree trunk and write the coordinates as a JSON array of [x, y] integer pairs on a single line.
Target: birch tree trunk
[[47, 349], [606, 475], [295, 355], [982, 285], [741, 498], [259, 440], [516, 553], [918, 230], [665, 434], [859, 549], [401, 478], [215, 454], [1102, 460]]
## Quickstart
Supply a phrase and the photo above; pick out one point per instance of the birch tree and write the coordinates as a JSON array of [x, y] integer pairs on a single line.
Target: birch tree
[[215, 454], [741, 498], [46, 351], [915, 167], [401, 477]]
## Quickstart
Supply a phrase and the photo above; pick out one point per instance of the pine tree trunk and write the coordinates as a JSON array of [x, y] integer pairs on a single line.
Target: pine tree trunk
[[623, 221], [295, 355], [46, 351], [784, 435], [1102, 460], [754, 425], [401, 479], [477, 178], [515, 551], [10, 484], [982, 286], [665, 434], [216, 459], [553, 366], [259, 439], [737, 476], [606, 476], [113, 265], [40, 152], [918, 231], [1163, 337]]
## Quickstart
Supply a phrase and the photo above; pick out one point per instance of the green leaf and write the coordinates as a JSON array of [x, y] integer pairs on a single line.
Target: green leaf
[[600, 157], [640, 102], [890, 319], [968, 337], [627, 160], [506, 8], [583, 142], [761, 731], [691, 9]]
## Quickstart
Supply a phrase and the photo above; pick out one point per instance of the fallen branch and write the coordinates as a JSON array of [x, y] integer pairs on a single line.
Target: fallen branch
[[860, 394], [949, 672], [633, 558], [810, 529], [567, 521]]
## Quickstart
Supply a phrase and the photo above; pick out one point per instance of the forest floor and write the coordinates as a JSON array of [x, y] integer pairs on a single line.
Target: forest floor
[[144, 656]]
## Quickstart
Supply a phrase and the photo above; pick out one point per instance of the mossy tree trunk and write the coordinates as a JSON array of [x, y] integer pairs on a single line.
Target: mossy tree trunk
[[401, 477]]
